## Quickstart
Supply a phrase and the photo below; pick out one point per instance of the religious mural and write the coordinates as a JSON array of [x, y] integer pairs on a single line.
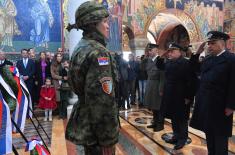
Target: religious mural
[[8, 25], [200, 11], [30, 24], [197, 16], [229, 22], [114, 42]]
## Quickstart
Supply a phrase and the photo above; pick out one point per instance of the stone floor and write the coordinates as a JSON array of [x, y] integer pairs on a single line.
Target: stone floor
[[135, 137], [140, 118]]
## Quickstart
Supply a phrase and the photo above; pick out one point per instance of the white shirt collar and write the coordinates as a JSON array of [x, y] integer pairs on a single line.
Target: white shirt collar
[[153, 59], [220, 53], [2, 61]]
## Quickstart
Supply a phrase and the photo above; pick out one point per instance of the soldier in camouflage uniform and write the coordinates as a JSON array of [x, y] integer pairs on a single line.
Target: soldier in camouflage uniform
[[94, 120]]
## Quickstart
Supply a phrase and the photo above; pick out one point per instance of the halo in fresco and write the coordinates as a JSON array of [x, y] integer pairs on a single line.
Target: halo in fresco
[[30, 24]]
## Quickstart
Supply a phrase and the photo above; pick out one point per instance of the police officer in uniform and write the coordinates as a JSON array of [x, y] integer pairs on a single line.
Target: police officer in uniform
[[215, 98], [92, 76], [177, 94]]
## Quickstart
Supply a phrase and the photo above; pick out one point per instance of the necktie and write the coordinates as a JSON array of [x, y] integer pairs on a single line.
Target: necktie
[[25, 64]]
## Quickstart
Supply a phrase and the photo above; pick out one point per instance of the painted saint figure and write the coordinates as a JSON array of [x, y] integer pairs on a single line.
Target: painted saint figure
[[8, 25], [43, 21]]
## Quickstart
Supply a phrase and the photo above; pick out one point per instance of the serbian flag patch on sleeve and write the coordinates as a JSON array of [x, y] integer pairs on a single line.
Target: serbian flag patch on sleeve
[[103, 61]]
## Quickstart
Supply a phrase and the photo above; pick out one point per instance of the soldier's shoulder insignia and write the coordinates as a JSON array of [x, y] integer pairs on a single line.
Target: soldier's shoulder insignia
[[107, 84], [103, 61]]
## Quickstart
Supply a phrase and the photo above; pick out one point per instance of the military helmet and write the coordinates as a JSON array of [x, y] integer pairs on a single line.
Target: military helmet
[[88, 13]]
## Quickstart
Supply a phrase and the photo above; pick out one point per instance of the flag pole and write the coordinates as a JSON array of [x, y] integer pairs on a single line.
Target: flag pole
[[21, 133], [14, 150], [38, 132], [39, 124]]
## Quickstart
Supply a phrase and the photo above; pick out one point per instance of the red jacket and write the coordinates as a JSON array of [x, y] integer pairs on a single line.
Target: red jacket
[[47, 92]]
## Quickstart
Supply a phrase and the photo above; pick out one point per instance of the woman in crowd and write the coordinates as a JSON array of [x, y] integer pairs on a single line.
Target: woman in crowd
[[42, 67]]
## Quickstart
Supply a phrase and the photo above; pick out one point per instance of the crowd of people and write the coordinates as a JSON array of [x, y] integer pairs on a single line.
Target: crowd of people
[[177, 82], [168, 84], [46, 79]]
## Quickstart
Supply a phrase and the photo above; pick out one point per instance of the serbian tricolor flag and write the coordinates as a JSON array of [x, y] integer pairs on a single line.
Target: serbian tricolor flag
[[37, 147], [5, 127], [16, 73], [23, 101]]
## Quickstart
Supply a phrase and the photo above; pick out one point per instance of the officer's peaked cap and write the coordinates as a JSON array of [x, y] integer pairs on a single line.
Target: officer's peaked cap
[[151, 46], [217, 35], [175, 46]]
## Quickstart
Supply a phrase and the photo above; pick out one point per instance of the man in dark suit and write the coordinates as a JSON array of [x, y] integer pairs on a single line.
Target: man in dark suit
[[26, 68], [3, 60], [215, 98]]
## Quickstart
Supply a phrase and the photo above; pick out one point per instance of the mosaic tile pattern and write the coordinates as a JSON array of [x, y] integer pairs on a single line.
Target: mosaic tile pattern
[[30, 133], [140, 118]]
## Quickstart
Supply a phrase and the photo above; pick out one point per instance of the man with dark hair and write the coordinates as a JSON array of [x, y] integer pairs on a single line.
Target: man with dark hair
[[26, 68], [215, 99]]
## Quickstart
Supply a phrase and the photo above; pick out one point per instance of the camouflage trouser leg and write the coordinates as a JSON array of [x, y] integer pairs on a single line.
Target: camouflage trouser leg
[[99, 150], [108, 150]]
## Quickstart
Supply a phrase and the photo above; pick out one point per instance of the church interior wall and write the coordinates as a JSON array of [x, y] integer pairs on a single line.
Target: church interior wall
[[205, 15], [20, 27], [30, 24], [229, 22]]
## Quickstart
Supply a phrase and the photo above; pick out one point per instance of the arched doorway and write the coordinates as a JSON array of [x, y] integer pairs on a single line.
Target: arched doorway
[[173, 26], [173, 33]]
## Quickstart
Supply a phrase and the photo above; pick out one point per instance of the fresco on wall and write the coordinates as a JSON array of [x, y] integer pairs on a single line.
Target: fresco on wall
[[8, 24], [115, 9], [206, 14], [229, 22], [30, 23]]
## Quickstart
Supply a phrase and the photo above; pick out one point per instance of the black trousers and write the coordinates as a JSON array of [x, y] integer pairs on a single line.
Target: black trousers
[[158, 117], [216, 145], [132, 93], [180, 129]]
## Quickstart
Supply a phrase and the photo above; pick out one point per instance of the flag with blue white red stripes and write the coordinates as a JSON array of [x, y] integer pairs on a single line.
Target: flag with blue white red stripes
[[24, 101], [5, 127]]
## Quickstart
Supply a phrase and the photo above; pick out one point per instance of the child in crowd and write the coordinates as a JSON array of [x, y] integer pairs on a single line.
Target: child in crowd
[[47, 99]]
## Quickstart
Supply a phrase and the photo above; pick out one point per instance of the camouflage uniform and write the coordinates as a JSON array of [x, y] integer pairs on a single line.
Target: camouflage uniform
[[92, 76]]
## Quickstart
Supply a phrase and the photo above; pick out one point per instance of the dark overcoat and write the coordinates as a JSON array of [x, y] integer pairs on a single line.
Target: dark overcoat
[[178, 79], [215, 93], [154, 86]]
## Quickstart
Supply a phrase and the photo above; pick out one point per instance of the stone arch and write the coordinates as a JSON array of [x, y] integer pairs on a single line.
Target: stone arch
[[130, 34], [180, 17]]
